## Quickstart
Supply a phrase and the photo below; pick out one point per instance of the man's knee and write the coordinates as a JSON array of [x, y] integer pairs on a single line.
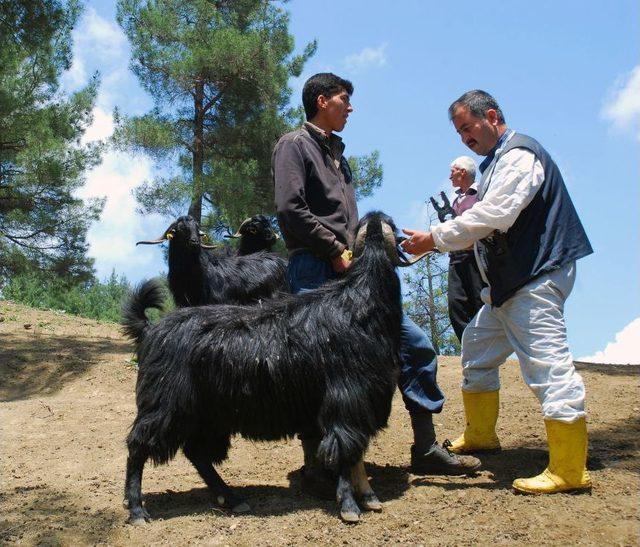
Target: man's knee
[[416, 347]]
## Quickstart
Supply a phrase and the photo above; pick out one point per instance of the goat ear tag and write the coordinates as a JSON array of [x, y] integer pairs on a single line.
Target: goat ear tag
[[169, 236]]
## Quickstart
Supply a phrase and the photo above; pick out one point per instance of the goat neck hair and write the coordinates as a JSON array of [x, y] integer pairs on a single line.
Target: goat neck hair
[[325, 360]]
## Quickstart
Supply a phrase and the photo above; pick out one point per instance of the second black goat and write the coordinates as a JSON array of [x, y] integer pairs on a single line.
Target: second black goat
[[199, 275]]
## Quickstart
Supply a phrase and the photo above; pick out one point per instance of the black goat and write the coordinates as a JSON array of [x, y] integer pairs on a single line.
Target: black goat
[[256, 234], [198, 276], [326, 359]]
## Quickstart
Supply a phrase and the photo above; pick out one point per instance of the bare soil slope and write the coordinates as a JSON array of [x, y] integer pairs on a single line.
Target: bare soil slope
[[67, 401]]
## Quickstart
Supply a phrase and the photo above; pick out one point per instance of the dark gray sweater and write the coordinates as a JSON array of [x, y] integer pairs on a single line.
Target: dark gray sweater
[[315, 198]]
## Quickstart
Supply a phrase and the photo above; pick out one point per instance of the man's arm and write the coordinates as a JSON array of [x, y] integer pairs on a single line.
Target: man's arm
[[517, 178], [290, 176]]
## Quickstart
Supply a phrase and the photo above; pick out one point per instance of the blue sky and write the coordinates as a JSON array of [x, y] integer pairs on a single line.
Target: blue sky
[[566, 73]]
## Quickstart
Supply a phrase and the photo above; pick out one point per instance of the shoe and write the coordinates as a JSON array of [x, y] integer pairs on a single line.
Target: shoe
[[440, 461], [481, 412], [567, 469]]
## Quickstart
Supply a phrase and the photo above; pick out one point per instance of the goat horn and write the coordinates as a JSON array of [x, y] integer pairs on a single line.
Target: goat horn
[[358, 244], [153, 242], [238, 234], [168, 234], [204, 246], [405, 262]]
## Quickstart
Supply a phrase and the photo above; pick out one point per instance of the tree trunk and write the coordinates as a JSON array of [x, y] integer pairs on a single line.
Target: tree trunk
[[195, 209], [433, 326]]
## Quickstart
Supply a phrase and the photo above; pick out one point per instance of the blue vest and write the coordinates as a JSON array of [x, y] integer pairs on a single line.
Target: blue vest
[[546, 235]]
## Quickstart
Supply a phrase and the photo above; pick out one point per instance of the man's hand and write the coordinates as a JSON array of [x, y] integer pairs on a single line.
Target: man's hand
[[341, 263], [418, 242]]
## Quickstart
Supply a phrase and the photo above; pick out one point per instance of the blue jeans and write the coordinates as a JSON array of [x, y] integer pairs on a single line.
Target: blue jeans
[[418, 384]]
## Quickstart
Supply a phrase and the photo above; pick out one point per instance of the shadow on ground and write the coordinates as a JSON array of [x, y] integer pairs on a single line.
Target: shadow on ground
[[32, 365], [389, 482], [51, 518]]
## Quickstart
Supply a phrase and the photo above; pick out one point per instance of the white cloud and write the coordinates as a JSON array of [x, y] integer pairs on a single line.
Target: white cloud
[[622, 108], [98, 44], [112, 239], [625, 350], [369, 57], [101, 128]]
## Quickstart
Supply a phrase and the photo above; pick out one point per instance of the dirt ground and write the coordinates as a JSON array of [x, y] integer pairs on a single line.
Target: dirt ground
[[67, 401]]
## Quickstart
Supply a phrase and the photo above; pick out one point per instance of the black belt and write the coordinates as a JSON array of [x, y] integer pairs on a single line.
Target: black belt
[[460, 254]]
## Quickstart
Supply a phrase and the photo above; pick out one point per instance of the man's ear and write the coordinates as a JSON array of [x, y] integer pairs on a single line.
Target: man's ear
[[492, 116], [321, 102]]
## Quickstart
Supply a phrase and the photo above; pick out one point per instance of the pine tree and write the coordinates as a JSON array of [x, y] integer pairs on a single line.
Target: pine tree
[[218, 72], [41, 159], [426, 300]]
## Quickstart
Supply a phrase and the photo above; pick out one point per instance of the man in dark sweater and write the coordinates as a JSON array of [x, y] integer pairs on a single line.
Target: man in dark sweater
[[529, 237], [317, 213]]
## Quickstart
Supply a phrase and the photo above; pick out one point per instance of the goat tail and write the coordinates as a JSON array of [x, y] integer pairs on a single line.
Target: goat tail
[[148, 294], [342, 446]]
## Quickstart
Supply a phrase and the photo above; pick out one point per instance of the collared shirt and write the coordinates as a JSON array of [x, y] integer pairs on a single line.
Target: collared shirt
[[335, 144], [462, 202], [465, 200], [515, 179]]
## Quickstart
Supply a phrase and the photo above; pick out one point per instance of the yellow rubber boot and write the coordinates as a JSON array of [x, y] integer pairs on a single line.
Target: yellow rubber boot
[[567, 469], [481, 411]]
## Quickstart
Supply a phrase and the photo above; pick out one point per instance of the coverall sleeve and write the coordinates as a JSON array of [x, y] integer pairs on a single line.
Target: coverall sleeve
[[516, 179]]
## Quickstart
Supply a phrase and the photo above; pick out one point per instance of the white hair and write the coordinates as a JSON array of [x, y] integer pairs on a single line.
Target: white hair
[[466, 163]]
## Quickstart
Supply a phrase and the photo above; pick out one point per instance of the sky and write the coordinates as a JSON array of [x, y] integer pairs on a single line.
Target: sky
[[566, 73]]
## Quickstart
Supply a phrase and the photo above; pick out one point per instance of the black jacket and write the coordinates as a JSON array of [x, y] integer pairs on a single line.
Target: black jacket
[[315, 198]]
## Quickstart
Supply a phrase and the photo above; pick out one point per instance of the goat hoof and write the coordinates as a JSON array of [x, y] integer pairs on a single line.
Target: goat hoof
[[139, 518], [350, 516], [370, 502], [125, 503], [349, 511]]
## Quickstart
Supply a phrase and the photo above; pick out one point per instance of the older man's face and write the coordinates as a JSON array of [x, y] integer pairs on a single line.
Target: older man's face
[[458, 178], [479, 134]]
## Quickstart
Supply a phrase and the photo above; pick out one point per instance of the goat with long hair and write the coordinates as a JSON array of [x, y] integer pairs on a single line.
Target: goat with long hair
[[198, 275], [325, 359]]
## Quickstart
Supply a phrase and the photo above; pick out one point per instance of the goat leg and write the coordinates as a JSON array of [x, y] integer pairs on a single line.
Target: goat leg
[[133, 486], [365, 494], [222, 494], [349, 510]]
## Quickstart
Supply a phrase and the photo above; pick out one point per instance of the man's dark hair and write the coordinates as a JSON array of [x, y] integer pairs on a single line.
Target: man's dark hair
[[326, 84], [478, 102]]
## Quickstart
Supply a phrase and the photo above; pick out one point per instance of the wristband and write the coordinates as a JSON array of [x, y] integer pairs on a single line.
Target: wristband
[[347, 254]]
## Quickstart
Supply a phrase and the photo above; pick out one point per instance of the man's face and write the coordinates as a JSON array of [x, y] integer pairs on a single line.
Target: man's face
[[458, 177], [335, 110], [479, 134]]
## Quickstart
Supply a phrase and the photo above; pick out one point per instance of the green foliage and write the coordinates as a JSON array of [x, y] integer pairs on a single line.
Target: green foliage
[[218, 72], [367, 173], [42, 163], [425, 301], [94, 299]]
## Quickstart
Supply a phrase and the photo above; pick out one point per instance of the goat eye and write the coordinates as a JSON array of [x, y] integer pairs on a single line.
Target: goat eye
[[253, 230]]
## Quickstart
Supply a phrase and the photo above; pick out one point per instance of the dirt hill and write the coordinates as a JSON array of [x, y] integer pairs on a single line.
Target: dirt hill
[[67, 401]]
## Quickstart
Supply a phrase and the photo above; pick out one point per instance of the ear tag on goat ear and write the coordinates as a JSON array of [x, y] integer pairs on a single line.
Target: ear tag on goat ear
[[169, 235]]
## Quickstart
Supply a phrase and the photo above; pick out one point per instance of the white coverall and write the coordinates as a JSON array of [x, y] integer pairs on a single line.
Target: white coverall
[[531, 323]]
